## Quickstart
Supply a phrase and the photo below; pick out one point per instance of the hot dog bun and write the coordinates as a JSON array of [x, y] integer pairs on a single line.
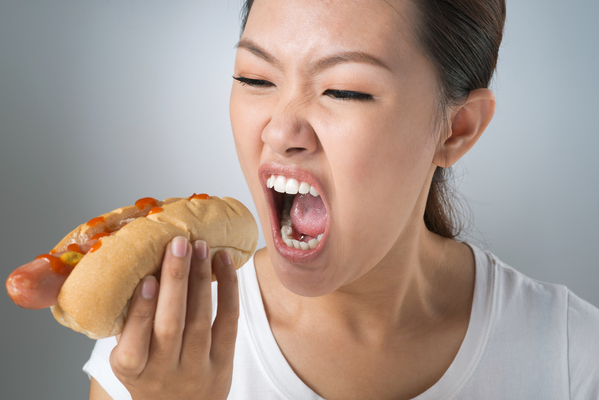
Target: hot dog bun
[[95, 297]]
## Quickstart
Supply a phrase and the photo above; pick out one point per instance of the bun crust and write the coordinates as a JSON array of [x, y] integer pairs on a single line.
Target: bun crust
[[95, 297]]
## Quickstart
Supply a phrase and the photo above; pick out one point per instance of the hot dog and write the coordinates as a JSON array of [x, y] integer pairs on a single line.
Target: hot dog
[[110, 254]]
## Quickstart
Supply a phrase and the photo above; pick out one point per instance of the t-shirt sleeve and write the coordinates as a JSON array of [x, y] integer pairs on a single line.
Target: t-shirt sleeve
[[98, 367], [583, 348]]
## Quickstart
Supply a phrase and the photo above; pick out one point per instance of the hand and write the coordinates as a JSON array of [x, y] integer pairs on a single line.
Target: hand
[[168, 349]]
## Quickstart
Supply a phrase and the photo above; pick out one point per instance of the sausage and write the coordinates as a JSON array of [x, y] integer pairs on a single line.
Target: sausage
[[34, 285]]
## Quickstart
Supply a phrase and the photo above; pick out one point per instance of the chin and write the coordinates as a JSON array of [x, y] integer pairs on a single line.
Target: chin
[[305, 282]]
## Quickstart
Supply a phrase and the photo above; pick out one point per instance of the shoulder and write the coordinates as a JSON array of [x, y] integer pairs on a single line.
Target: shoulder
[[583, 318], [514, 289], [550, 324], [519, 298], [529, 316], [514, 284], [583, 348]]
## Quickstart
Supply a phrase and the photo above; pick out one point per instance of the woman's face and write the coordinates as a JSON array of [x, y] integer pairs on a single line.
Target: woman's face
[[336, 95]]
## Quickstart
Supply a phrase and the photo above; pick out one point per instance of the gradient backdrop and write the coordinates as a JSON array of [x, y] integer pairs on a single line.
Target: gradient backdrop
[[103, 102]]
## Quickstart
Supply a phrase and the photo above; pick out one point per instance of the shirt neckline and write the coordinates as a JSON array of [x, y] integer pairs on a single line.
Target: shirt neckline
[[464, 364], [456, 376]]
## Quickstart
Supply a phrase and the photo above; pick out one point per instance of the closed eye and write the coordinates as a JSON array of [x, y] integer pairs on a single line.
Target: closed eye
[[253, 82], [347, 95]]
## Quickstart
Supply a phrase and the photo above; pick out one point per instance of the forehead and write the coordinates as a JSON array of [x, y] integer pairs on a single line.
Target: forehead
[[306, 29]]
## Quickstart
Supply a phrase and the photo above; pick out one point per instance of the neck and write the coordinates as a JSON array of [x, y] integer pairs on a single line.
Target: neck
[[420, 282]]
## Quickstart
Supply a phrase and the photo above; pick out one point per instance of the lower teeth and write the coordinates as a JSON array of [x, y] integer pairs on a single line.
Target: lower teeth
[[287, 229]]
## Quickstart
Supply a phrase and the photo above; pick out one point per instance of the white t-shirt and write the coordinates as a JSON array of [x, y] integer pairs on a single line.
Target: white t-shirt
[[525, 340]]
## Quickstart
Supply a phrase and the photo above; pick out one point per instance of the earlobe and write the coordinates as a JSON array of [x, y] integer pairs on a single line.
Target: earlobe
[[467, 125]]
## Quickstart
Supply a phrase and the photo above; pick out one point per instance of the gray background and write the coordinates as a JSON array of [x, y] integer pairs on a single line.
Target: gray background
[[104, 102]]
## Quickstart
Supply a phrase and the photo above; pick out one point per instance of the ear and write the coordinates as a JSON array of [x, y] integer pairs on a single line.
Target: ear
[[467, 125]]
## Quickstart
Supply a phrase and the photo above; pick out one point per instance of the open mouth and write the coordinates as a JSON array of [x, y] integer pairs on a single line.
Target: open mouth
[[301, 216]]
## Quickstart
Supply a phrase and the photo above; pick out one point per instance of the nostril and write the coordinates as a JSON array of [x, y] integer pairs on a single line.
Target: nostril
[[295, 150]]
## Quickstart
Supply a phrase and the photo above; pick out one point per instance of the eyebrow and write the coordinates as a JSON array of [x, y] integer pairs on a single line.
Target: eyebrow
[[258, 51], [320, 65]]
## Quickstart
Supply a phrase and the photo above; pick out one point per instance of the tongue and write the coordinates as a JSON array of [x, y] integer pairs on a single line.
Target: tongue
[[308, 215]]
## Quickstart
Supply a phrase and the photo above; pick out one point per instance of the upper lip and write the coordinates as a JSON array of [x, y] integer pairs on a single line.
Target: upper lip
[[291, 171]]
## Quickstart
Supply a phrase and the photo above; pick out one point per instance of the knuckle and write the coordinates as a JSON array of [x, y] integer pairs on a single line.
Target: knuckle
[[222, 362], [199, 325], [199, 348], [202, 273], [162, 351], [169, 330], [232, 277], [230, 274], [228, 319], [141, 315], [228, 277], [126, 363], [228, 339], [232, 316], [178, 271]]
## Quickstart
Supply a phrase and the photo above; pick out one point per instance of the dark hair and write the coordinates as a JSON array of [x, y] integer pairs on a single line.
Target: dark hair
[[461, 38]]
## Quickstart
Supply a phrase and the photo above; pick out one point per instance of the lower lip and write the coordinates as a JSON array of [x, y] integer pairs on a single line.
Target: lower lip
[[297, 256]]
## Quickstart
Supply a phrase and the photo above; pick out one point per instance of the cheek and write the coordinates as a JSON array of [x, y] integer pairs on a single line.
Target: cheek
[[379, 167], [245, 123], [379, 153]]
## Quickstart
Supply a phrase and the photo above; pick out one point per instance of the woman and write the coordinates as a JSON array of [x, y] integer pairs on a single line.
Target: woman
[[362, 104]]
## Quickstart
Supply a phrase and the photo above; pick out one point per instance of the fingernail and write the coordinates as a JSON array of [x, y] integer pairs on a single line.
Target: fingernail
[[200, 249], [148, 287], [179, 246], [225, 258]]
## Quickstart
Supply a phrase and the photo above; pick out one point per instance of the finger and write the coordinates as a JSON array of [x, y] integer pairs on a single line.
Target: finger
[[172, 302], [130, 356], [196, 338], [224, 329]]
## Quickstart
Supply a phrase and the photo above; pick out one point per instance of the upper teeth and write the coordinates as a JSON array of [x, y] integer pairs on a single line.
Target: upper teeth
[[290, 186]]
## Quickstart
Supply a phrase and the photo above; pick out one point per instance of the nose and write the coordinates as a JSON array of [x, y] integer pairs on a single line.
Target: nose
[[288, 133]]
